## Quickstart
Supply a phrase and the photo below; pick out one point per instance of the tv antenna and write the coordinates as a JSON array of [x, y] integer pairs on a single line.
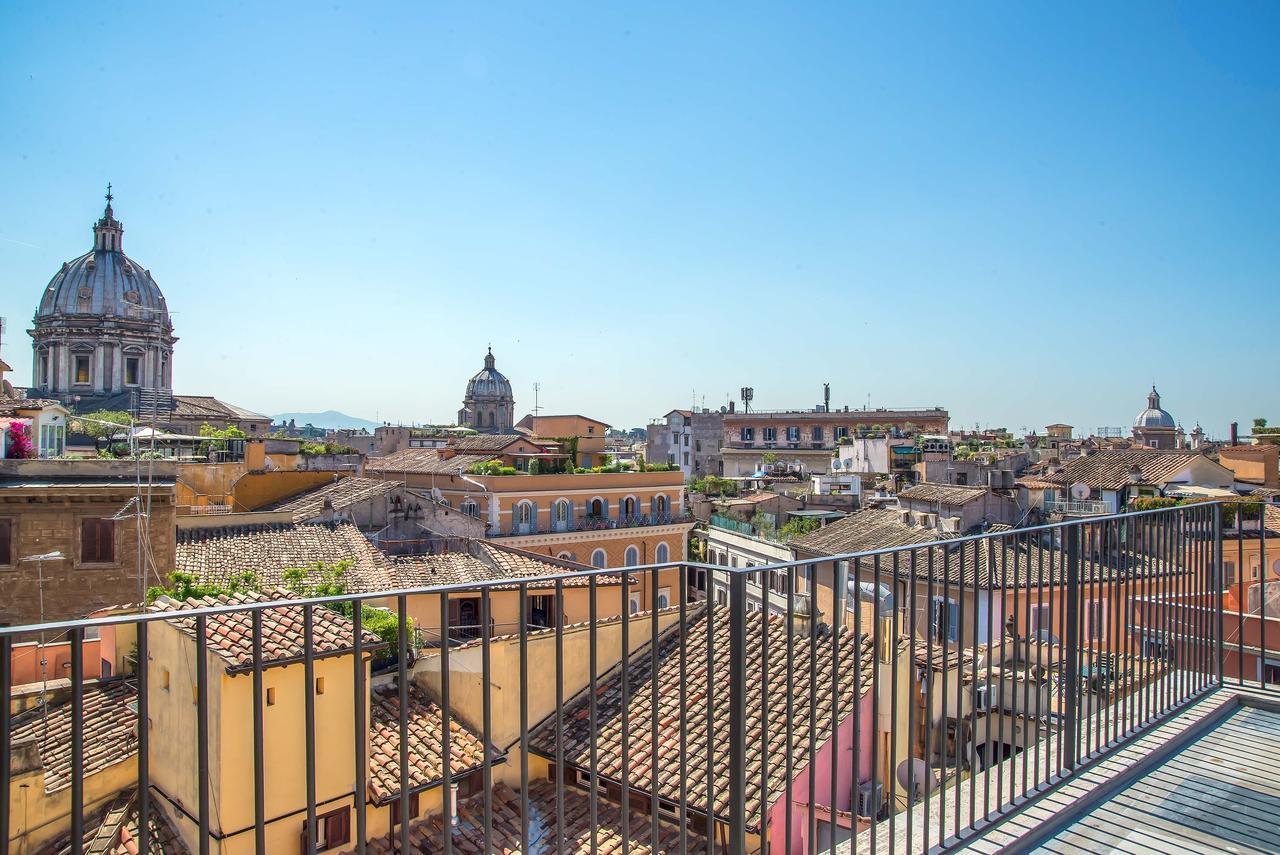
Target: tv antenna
[[748, 394], [537, 387]]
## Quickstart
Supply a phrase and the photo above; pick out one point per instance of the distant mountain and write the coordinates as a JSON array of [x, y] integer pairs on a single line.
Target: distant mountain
[[329, 420]]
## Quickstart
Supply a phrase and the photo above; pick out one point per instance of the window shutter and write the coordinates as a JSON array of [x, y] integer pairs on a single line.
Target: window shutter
[[953, 619], [6, 542], [337, 828], [455, 613], [88, 540], [106, 540]]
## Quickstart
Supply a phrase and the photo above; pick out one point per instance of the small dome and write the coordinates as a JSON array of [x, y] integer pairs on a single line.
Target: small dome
[[489, 382], [1153, 416]]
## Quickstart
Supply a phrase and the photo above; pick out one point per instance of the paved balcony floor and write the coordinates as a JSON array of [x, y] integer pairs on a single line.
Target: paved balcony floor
[[1207, 781]]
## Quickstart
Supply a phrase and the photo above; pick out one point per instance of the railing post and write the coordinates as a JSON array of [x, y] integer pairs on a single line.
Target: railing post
[[1217, 591], [737, 713], [1071, 647]]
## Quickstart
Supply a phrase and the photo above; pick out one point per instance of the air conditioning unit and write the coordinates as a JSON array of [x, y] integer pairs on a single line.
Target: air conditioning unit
[[870, 797], [904, 517], [928, 520], [951, 525]]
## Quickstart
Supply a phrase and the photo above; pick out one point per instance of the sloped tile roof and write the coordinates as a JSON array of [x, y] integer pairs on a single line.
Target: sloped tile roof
[[113, 830], [230, 635], [867, 529], [109, 736], [1109, 470], [486, 441], [707, 688], [468, 837], [424, 461], [220, 555], [342, 493], [207, 406], [947, 494], [486, 562], [426, 751]]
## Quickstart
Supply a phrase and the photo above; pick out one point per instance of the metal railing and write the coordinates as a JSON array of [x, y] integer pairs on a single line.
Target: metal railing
[[924, 693], [1077, 508]]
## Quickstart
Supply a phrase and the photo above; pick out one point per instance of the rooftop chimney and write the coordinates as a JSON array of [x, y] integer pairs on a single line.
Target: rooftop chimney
[[1235, 433]]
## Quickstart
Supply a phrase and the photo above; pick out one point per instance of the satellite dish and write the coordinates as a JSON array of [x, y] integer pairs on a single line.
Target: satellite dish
[[1080, 491], [915, 773]]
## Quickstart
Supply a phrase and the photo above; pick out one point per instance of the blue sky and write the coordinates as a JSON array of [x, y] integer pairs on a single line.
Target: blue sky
[[1022, 216]]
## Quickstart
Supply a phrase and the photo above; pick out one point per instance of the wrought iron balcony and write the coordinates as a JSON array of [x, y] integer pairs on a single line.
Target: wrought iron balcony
[[919, 697], [1086, 507]]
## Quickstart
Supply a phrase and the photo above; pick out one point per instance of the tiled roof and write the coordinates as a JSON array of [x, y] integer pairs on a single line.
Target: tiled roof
[[230, 635], [426, 752], [870, 528], [468, 837], [109, 736], [10, 406], [424, 461], [486, 562], [486, 442], [1109, 470], [947, 494], [1032, 482], [342, 493], [207, 406], [113, 830], [219, 555], [705, 687]]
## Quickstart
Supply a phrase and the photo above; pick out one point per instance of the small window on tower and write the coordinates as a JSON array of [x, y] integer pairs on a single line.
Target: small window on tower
[[82, 368], [131, 371]]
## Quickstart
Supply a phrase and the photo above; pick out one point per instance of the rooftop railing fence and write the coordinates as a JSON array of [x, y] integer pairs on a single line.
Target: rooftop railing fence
[[941, 688]]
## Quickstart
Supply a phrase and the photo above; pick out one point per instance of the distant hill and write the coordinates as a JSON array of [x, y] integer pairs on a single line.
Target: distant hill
[[329, 420]]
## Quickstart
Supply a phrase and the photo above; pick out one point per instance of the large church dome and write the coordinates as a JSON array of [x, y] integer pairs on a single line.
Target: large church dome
[[489, 382], [1153, 416]]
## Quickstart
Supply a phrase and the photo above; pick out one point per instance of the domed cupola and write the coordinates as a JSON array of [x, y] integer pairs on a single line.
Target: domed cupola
[[1154, 426], [102, 328], [488, 405]]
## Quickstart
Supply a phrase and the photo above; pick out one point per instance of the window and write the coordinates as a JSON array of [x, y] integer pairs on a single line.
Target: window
[[635, 603], [770, 434], [598, 559], [815, 433], [946, 619], [632, 557], [131, 372], [664, 597], [1229, 572], [271, 696], [661, 554], [6, 543], [524, 517], [470, 508], [319, 685], [333, 829], [395, 809], [560, 514], [628, 507], [686, 458], [542, 611], [793, 434], [697, 445], [659, 502], [1040, 618], [164, 679], [842, 433], [82, 369], [686, 440], [97, 541], [747, 434]]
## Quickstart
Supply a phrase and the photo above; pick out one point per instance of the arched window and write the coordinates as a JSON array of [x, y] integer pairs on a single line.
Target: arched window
[[660, 554], [525, 517], [659, 507], [628, 507], [632, 557], [560, 513], [598, 508], [470, 508], [491, 418], [598, 559], [565, 556]]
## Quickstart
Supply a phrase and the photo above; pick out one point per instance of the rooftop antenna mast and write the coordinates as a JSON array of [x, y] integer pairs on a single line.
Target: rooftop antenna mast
[[537, 387], [748, 394], [826, 397]]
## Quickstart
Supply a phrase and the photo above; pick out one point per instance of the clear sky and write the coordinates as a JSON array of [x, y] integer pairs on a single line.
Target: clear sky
[[1018, 215]]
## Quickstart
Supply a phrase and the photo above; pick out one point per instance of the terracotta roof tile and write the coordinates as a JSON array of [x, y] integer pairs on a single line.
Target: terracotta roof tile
[[468, 837], [423, 461], [947, 494], [704, 687], [489, 442], [870, 528], [342, 493], [113, 830], [220, 555], [230, 635], [109, 736], [486, 562], [426, 752], [1110, 470]]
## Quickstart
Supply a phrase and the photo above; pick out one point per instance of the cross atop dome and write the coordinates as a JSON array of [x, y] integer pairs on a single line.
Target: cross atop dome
[[108, 231]]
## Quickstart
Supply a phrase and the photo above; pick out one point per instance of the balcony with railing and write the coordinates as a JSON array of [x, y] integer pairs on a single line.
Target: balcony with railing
[[1077, 508], [967, 690]]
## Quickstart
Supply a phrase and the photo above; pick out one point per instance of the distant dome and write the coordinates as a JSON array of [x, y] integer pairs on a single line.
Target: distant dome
[[1153, 416], [489, 382]]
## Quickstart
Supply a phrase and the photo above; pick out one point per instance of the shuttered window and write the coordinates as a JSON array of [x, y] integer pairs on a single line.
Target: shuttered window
[[6, 543], [97, 541], [333, 829]]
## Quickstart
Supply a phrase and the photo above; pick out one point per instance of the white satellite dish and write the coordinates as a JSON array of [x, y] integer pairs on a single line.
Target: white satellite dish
[[915, 773], [1080, 491]]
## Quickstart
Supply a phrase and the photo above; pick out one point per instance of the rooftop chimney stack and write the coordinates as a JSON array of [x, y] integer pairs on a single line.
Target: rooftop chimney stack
[[1235, 433]]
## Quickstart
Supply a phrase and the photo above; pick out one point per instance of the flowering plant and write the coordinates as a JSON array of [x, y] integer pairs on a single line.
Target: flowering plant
[[19, 444]]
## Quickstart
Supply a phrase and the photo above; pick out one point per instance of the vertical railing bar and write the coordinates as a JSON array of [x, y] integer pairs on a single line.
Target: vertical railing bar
[[6, 736], [524, 714], [1203, 580], [878, 642], [1040, 672], [1071, 647], [259, 742], [654, 794], [446, 743], [1091, 718], [402, 679], [202, 730], [592, 665], [841, 579], [1262, 594], [973, 691], [959, 667], [1004, 652], [144, 741], [624, 820], [737, 712], [77, 739], [1170, 612], [1057, 697], [893, 656], [765, 605], [788, 759], [912, 624], [309, 696], [1022, 573], [361, 733], [560, 821], [812, 776], [1114, 627], [991, 646], [1217, 590], [1150, 618], [858, 682], [684, 709], [1239, 599], [928, 671], [1186, 657], [486, 706]]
